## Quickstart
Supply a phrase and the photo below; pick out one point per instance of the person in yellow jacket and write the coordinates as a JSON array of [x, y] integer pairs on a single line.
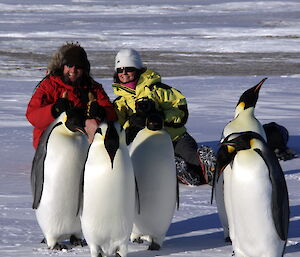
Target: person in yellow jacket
[[142, 97]]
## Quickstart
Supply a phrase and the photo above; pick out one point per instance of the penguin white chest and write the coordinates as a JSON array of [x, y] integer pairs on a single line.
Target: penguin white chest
[[226, 211], [108, 194], [63, 167], [153, 161], [251, 208]]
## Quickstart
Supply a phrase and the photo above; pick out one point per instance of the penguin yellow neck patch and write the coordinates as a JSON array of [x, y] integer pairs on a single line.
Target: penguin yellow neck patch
[[240, 107]]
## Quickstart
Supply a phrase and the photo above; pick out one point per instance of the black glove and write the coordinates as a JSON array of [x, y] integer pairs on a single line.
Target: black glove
[[95, 111], [145, 105], [61, 105], [137, 120]]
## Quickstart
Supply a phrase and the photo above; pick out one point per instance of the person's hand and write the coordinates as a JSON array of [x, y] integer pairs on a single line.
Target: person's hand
[[61, 105], [95, 111]]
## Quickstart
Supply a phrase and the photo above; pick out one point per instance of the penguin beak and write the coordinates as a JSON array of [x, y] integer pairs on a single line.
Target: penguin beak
[[258, 86], [82, 131], [249, 97]]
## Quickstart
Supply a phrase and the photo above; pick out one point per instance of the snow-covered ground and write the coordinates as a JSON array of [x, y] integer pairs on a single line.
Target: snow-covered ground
[[195, 230], [32, 27]]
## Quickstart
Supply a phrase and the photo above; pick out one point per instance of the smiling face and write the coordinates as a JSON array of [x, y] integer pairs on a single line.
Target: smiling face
[[72, 72], [126, 74]]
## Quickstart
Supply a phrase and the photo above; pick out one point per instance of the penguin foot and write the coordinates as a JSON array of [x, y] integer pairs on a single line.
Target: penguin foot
[[60, 247], [77, 241], [43, 241], [227, 239], [138, 240], [83, 243], [154, 246]]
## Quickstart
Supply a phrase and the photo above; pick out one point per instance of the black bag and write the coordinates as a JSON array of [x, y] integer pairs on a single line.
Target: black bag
[[277, 139], [277, 135]]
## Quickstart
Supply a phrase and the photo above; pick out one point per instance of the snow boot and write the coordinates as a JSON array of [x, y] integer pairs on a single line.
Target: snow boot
[[207, 159], [184, 173]]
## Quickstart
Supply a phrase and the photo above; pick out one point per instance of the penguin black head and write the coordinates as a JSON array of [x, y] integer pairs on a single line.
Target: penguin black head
[[231, 145], [111, 138], [111, 141], [76, 120], [224, 157], [155, 122], [241, 141], [249, 97]]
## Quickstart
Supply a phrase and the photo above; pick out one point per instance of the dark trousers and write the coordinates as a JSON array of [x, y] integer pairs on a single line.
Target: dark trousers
[[186, 148]]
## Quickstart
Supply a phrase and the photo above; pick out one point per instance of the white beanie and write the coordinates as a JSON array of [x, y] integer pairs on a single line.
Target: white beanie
[[128, 58]]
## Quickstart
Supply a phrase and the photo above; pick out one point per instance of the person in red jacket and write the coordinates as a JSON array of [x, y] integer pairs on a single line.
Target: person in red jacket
[[68, 84]]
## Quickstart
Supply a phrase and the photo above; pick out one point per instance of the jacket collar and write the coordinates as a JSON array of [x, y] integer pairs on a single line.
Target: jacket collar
[[146, 79]]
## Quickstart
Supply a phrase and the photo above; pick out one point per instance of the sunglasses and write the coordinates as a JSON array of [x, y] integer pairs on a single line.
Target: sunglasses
[[69, 65], [126, 69]]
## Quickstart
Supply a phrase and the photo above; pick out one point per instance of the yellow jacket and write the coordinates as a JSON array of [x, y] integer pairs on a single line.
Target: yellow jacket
[[167, 99]]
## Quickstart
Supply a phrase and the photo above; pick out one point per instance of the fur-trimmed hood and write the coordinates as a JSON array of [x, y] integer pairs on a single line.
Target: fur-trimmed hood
[[69, 53]]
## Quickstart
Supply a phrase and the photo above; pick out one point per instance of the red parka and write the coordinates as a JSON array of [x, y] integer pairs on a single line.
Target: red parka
[[49, 90]]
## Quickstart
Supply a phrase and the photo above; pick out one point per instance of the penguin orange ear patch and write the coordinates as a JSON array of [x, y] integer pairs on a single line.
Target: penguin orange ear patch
[[242, 105], [230, 148], [252, 142]]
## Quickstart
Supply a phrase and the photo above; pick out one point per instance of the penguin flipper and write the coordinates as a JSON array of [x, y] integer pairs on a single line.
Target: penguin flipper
[[137, 194], [280, 200], [37, 170], [81, 185], [177, 193]]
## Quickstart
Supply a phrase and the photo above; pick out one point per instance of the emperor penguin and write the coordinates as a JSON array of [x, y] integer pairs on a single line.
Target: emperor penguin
[[219, 188], [56, 176], [244, 120], [108, 193], [258, 195], [152, 156], [222, 186]]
